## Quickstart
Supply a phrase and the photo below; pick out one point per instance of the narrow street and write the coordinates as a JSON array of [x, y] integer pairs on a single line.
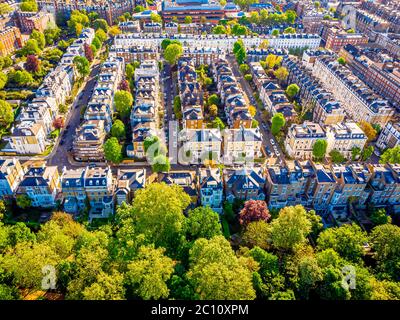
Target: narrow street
[[264, 127]]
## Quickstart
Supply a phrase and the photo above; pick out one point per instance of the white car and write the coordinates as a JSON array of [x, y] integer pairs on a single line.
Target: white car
[[272, 142]]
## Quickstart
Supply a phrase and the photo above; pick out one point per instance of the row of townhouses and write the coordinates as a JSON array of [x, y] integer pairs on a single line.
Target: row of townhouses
[[321, 187], [144, 114], [89, 136], [224, 42], [31, 131]]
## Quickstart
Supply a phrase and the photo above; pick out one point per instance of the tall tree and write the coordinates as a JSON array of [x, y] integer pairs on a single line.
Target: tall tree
[[319, 149], [391, 155], [347, 240], [172, 53], [82, 65], [291, 228], [123, 103], [113, 150], [148, 273], [277, 122], [217, 273], [118, 129], [6, 114], [368, 129], [39, 37], [202, 222], [88, 52]]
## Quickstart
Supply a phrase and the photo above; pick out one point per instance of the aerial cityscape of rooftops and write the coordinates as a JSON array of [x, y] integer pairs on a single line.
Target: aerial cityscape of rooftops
[[200, 149]]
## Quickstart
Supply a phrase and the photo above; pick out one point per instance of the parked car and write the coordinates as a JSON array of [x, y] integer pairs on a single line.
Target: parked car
[[268, 151], [272, 142], [62, 142]]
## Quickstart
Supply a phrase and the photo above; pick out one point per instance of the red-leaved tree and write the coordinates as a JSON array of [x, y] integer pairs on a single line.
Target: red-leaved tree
[[124, 85], [32, 63], [254, 210], [58, 123], [88, 52]]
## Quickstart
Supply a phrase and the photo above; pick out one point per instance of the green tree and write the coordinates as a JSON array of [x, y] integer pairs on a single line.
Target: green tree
[[20, 77], [3, 80], [213, 99], [82, 65], [23, 201], [155, 17], [25, 262], [123, 103], [148, 273], [31, 47], [341, 61], [244, 68], [391, 155], [384, 240], [218, 124], [52, 34], [355, 153], [257, 234], [139, 8], [289, 30], [161, 163], [39, 37], [292, 90], [281, 74], [275, 32], [118, 129], [202, 222], [277, 122], [162, 221], [188, 19], [29, 6], [367, 153], [213, 110], [219, 29], [77, 21], [106, 287], [100, 24], [113, 150], [347, 240], [290, 16], [172, 53], [6, 114], [319, 149], [336, 156], [291, 228], [216, 273], [379, 216], [101, 35], [96, 43]]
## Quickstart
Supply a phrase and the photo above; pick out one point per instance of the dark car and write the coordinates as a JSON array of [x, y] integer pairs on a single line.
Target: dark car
[[62, 142], [268, 151], [67, 127]]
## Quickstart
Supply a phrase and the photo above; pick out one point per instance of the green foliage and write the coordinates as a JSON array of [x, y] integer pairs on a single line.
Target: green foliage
[[172, 53], [118, 129], [155, 17], [113, 150], [6, 114], [379, 216], [123, 101], [202, 222], [292, 90], [256, 234], [148, 273], [341, 61], [319, 149], [216, 273], [29, 6], [82, 65], [100, 24], [347, 241], [31, 47], [391, 155], [213, 99], [77, 22], [355, 153], [367, 153], [277, 122], [217, 123], [101, 35], [336, 156], [239, 51], [23, 201], [291, 228], [39, 37], [160, 163]]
